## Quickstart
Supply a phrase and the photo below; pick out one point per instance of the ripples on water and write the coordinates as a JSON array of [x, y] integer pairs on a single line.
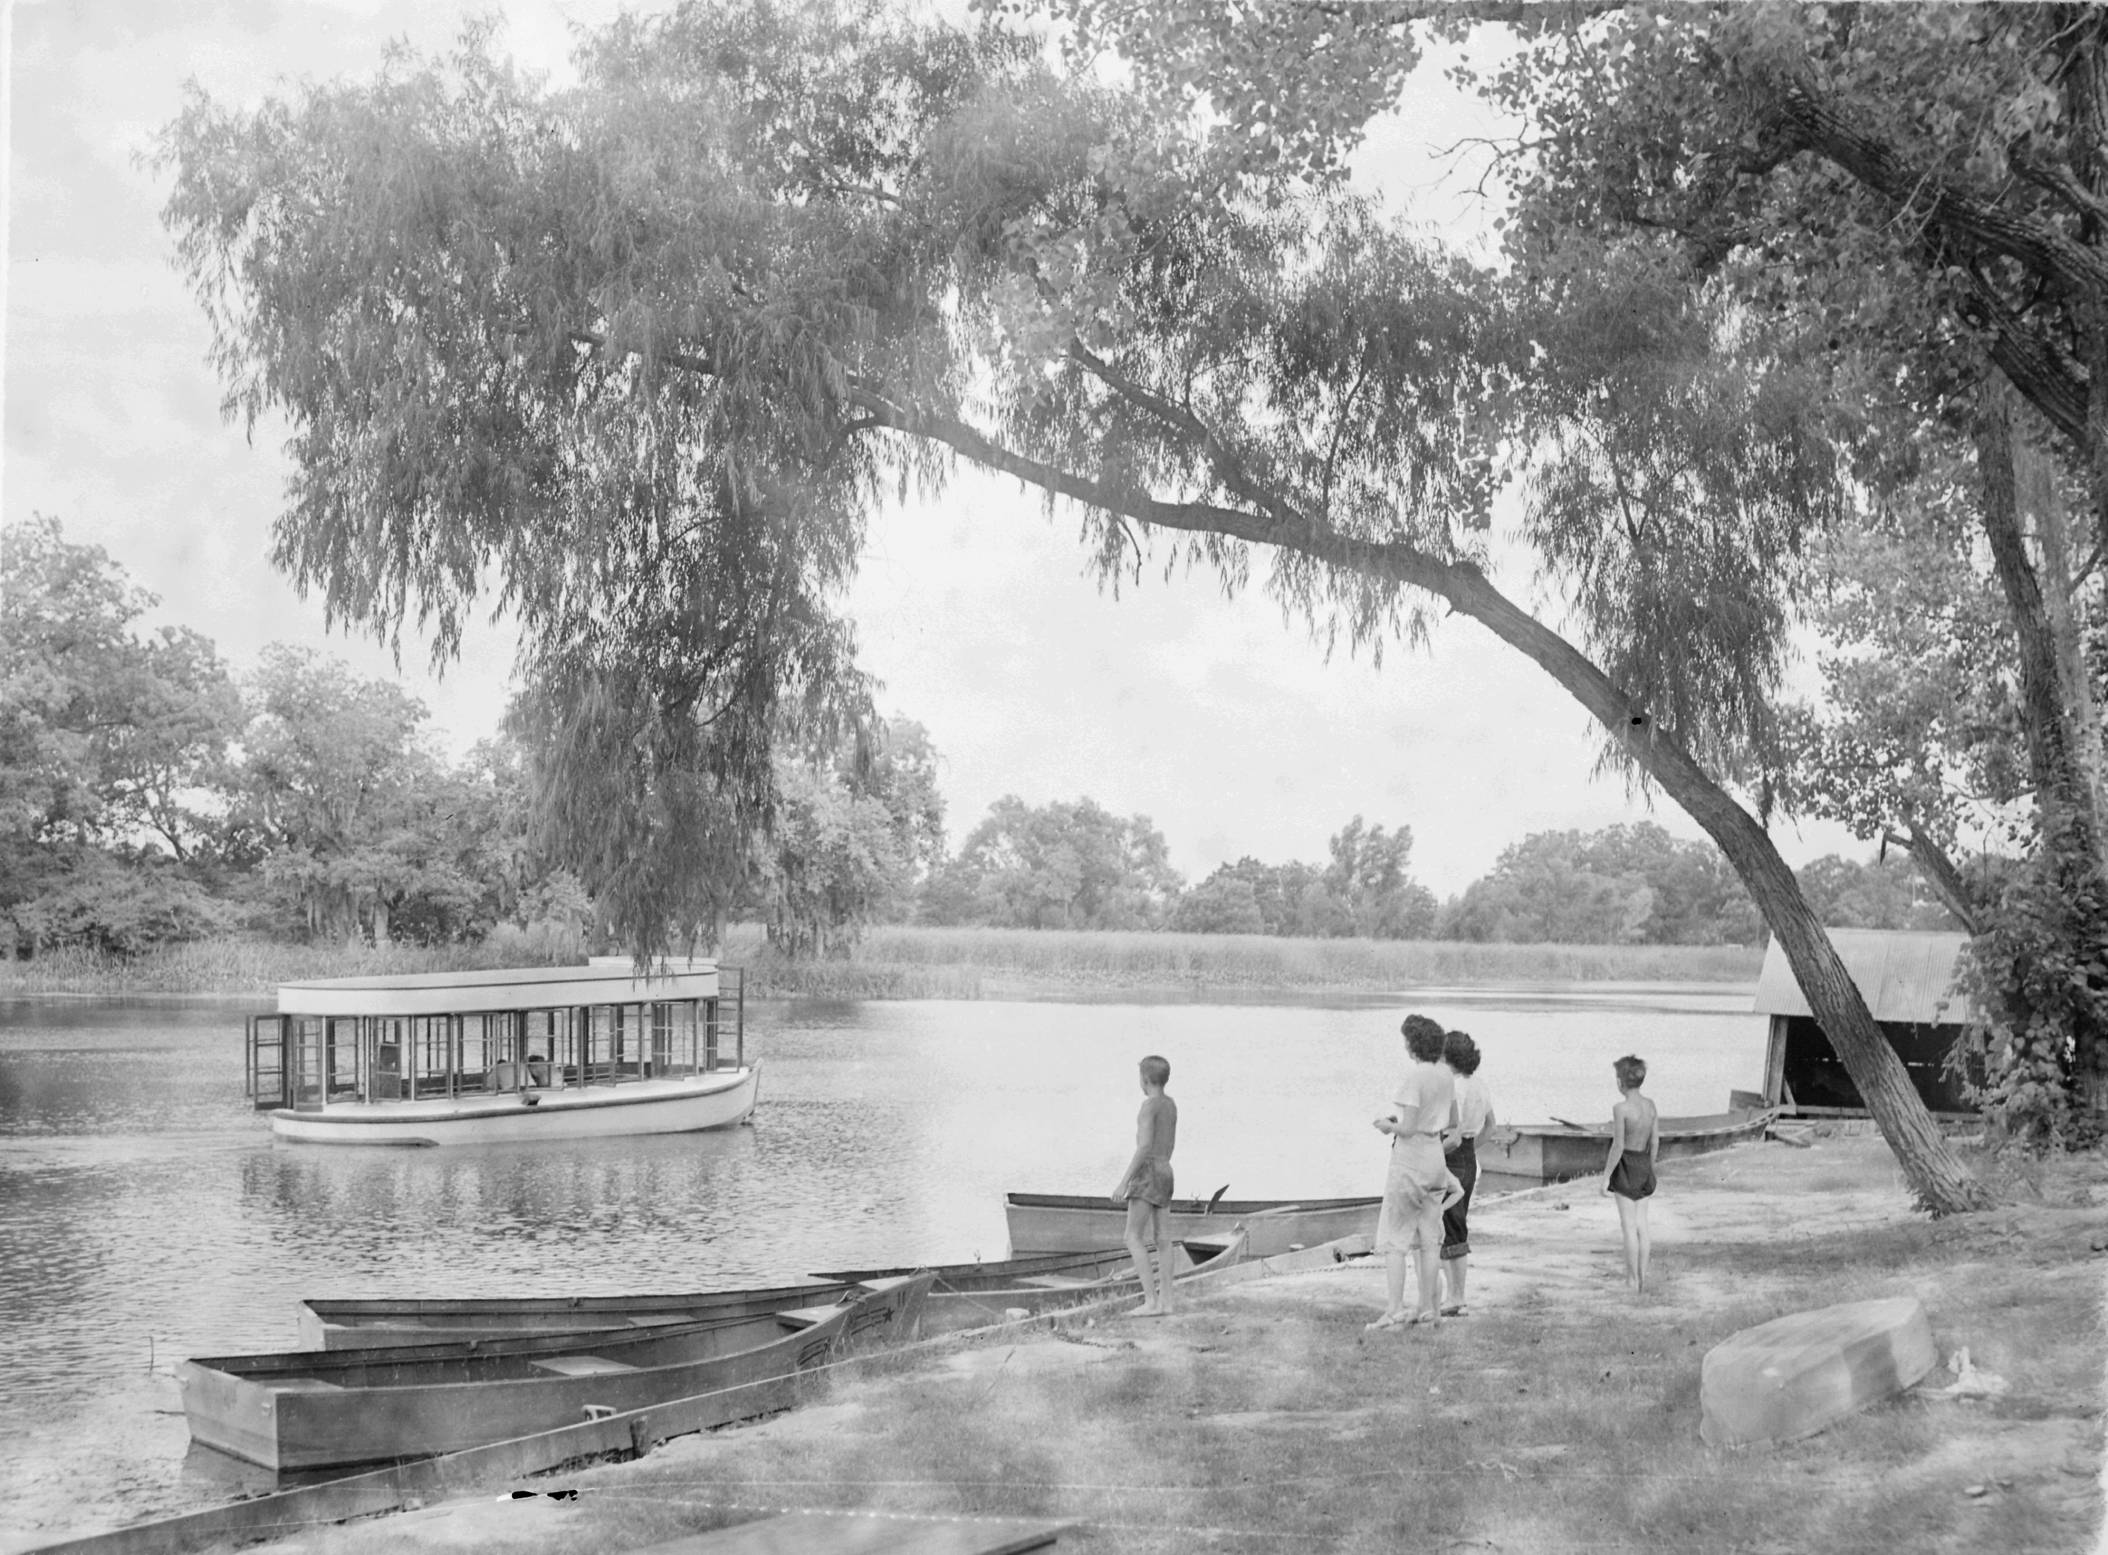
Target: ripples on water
[[146, 1215]]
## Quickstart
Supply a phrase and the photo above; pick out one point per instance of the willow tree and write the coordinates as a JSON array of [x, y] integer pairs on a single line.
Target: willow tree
[[680, 324], [1922, 187]]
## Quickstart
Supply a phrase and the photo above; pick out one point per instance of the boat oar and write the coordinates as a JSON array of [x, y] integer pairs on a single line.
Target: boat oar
[[1215, 1198], [1564, 1123]]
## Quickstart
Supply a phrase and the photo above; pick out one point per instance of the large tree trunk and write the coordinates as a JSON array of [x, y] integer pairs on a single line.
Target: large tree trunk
[[1936, 1175], [2066, 801]]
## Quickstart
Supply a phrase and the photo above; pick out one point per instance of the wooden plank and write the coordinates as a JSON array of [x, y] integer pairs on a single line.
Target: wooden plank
[[855, 1533]]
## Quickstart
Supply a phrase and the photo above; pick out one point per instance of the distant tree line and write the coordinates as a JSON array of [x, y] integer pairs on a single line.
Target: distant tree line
[[149, 794]]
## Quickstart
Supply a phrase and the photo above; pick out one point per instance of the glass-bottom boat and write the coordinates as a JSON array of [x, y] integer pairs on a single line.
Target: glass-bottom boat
[[526, 1054]]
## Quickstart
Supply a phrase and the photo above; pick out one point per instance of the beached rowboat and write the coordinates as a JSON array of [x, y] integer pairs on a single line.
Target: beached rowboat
[[1054, 1222], [974, 1296], [1513, 1156], [960, 1295], [325, 1408]]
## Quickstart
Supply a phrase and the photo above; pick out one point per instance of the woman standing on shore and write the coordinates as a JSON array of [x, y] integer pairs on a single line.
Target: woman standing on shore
[[1417, 1187], [1628, 1170], [1474, 1117]]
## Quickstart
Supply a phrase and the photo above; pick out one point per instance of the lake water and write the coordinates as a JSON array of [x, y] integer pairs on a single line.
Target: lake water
[[147, 1215]]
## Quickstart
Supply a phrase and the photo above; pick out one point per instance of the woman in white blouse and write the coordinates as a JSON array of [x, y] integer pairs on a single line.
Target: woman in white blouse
[[1418, 1186]]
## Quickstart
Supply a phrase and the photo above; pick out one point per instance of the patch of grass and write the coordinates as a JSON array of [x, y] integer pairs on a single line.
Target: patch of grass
[[1544, 1424]]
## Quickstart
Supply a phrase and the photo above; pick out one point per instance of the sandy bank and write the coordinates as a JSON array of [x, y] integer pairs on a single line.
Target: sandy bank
[[1561, 1415]]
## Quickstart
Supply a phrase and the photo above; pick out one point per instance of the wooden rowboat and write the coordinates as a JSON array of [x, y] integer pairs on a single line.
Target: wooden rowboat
[[1053, 1222], [373, 1323], [1526, 1155], [961, 1295], [326, 1408], [1027, 1287]]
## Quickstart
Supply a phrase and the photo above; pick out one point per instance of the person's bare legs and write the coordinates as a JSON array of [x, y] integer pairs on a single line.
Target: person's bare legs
[[1142, 1223], [1161, 1241], [1454, 1268], [1646, 1241], [1630, 1220], [1394, 1266], [1430, 1253]]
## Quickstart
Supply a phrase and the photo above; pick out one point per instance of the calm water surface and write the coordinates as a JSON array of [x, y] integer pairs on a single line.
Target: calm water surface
[[146, 1214]]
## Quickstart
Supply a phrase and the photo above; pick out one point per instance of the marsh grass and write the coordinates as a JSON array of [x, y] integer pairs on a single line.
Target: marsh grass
[[908, 962], [235, 967], [926, 962]]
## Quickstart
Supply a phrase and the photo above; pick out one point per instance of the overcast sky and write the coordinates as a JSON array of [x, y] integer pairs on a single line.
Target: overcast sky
[[1223, 724]]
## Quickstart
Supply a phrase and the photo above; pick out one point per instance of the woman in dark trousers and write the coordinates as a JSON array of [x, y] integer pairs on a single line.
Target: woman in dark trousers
[[1474, 1117]]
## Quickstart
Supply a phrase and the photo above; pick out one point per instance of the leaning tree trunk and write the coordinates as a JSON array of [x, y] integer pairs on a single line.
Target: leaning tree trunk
[[1936, 1175]]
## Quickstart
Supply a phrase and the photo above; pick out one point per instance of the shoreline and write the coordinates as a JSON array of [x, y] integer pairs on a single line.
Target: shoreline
[[1561, 1413], [967, 964]]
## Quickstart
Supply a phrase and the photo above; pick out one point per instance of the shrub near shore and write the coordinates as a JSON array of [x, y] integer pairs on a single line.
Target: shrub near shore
[[937, 963]]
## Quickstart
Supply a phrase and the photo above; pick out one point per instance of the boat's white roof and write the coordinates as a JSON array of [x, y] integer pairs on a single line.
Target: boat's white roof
[[514, 988]]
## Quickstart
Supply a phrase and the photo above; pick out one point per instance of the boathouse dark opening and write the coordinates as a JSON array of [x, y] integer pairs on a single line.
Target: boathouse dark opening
[[1907, 979]]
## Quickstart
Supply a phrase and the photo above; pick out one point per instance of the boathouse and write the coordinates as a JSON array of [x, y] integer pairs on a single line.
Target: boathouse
[[1907, 978]]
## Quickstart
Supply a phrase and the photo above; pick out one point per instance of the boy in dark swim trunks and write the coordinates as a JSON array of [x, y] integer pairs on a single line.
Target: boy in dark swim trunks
[[1628, 1170], [1146, 1187]]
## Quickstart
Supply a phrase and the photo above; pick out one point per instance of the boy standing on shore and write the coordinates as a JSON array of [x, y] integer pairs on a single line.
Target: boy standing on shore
[[1146, 1187], [1628, 1169]]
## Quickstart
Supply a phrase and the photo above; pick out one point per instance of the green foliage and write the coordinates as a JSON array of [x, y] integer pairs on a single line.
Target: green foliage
[[593, 346], [1055, 866], [1625, 885], [1886, 894], [1918, 731], [1365, 891], [2035, 1063], [109, 739]]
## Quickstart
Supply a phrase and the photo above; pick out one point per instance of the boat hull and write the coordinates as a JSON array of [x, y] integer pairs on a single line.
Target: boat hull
[[383, 1323], [960, 1296], [328, 1409], [1529, 1155], [1047, 1222], [683, 1104]]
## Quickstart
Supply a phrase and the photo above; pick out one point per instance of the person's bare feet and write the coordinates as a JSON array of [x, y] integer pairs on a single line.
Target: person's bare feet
[[1387, 1320], [1148, 1309]]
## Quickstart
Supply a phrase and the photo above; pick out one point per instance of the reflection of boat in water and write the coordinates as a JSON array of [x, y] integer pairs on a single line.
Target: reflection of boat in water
[[960, 1295], [522, 1055], [1059, 1222], [315, 1408], [1526, 1155]]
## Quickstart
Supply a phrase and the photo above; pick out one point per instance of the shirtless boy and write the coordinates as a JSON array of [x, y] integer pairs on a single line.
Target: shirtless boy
[[1628, 1170], [1146, 1187]]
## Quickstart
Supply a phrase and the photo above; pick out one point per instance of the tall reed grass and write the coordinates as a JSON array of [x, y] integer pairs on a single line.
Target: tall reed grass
[[935, 963], [1002, 961], [234, 967]]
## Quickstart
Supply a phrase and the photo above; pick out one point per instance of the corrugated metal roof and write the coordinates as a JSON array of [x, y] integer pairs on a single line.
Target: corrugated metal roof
[[1904, 975]]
